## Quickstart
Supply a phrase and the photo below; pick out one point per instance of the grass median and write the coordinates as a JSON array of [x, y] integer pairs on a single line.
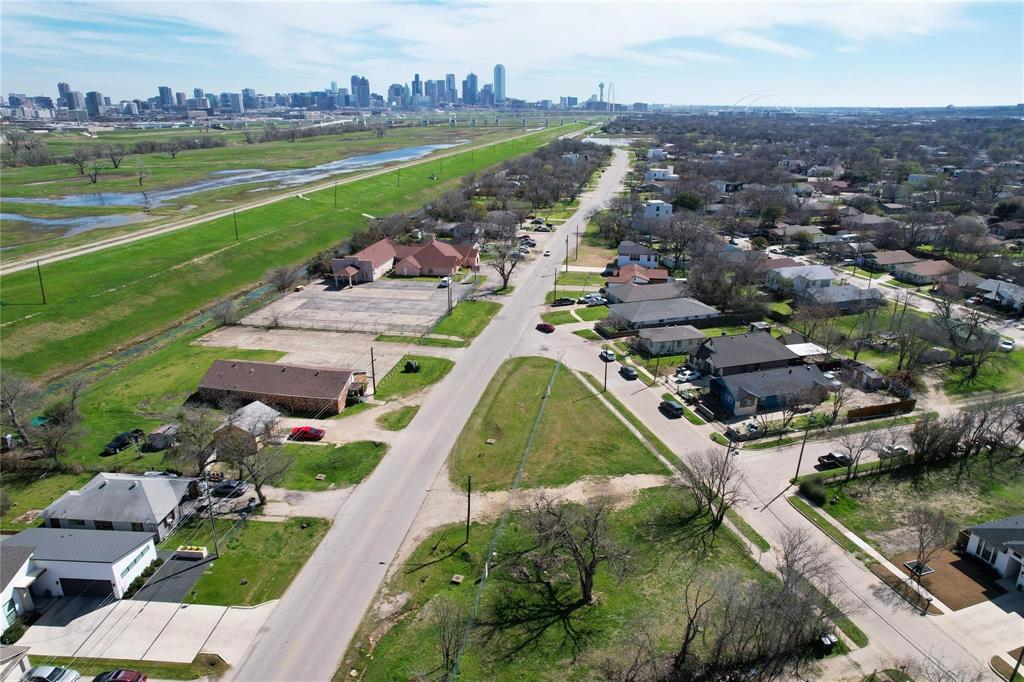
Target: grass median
[[397, 420], [398, 382]]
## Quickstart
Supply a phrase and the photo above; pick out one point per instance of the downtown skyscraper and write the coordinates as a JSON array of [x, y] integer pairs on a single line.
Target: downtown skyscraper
[[499, 83]]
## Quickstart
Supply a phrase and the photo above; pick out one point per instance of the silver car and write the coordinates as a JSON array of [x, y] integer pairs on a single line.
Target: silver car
[[49, 673]]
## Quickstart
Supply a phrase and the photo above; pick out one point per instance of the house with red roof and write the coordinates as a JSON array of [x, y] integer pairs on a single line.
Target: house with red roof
[[432, 258]]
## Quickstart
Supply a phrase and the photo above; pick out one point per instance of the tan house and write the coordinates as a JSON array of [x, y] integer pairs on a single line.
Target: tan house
[[293, 388], [433, 258], [925, 272], [887, 260]]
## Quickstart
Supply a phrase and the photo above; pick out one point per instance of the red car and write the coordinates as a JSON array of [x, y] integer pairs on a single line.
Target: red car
[[121, 676], [545, 327], [306, 433]]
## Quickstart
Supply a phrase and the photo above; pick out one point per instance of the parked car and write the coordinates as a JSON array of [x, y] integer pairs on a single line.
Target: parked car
[[671, 409], [306, 433], [562, 301], [832, 379], [123, 441], [607, 355], [543, 228], [547, 252], [49, 673], [629, 373], [686, 375], [849, 261], [596, 301], [162, 438], [537, 221], [230, 488], [121, 675], [546, 327], [444, 283], [1006, 345], [890, 451], [834, 460]]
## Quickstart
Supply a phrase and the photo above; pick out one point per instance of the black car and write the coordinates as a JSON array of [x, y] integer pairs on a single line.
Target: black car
[[628, 372], [563, 301], [230, 488], [834, 460], [671, 409], [123, 441]]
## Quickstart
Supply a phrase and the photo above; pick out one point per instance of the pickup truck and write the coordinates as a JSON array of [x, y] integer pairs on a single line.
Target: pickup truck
[[834, 460]]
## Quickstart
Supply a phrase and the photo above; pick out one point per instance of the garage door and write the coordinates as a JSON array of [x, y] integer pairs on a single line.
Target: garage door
[[74, 587]]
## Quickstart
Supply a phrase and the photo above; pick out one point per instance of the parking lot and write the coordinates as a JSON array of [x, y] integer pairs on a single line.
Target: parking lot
[[388, 306]]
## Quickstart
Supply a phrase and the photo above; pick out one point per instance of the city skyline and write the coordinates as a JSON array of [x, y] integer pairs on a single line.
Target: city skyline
[[801, 54]]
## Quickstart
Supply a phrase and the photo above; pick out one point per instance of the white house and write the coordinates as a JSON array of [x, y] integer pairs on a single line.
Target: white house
[[656, 212], [655, 154], [16, 575], [802, 278], [71, 563], [631, 252], [653, 174], [1000, 544]]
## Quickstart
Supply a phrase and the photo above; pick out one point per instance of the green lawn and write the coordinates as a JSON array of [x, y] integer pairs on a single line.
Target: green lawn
[[266, 554], [875, 506], [593, 314], [588, 334], [1003, 373], [564, 293], [782, 307], [33, 491], [398, 383], [557, 317], [422, 341], [203, 665], [726, 331], [397, 420], [580, 279], [342, 465], [468, 319], [99, 301], [808, 512], [563, 450], [661, 561]]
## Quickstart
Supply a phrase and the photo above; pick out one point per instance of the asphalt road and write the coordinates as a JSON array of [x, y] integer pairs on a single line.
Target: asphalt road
[[309, 631]]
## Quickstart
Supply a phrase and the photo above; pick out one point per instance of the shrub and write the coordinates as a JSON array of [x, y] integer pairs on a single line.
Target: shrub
[[814, 491], [13, 633]]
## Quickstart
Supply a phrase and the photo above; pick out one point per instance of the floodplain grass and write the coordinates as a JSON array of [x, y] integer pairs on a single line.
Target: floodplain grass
[[398, 383], [104, 300], [396, 420], [562, 451], [341, 465], [266, 554], [203, 665], [468, 319]]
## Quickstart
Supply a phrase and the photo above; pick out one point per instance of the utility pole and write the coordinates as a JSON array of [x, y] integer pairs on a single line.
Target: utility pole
[[335, 194], [567, 253], [209, 509], [449, 299], [800, 459], [605, 389], [39, 272], [234, 216], [577, 257], [469, 491], [556, 285], [373, 371]]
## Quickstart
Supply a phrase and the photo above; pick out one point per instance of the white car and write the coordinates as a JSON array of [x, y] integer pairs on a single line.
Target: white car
[[445, 283], [1006, 345], [547, 252], [49, 673], [832, 380], [687, 375]]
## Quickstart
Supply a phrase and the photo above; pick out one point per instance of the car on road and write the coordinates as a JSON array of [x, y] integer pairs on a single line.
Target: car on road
[[686, 375], [629, 373], [546, 327], [230, 488], [49, 673], [121, 675], [563, 301], [671, 409], [834, 460], [849, 261], [607, 355], [307, 433], [1006, 345], [444, 283], [544, 228], [890, 451], [537, 221], [547, 252], [123, 441]]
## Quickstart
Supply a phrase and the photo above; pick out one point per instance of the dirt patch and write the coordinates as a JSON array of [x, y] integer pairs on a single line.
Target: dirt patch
[[958, 581], [893, 542], [389, 605], [904, 589]]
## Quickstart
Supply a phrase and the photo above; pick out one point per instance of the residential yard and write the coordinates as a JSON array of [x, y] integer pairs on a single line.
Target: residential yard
[[1003, 373], [562, 450], [875, 506], [593, 250], [341, 465], [204, 665], [28, 491], [557, 317], [588, 334], [663, 555], [467, 320], [564, 293], [580, 279], [396, 420], [398, 383], [593, 314], [265, 554]]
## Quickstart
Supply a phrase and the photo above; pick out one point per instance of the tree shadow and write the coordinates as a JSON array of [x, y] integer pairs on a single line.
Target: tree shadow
[[684, 524]]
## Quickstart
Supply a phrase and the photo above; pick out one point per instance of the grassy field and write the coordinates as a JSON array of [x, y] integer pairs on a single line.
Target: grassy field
[[34, 491], [875, 506], [1003, 373], [588, 334], [203, 665], [593, 314], [467, 320], [398, 383], [341, 465], [662, 558], [593, 250], [266, 554], [396, 420], [104, 300], [580, 279], [563, 449]]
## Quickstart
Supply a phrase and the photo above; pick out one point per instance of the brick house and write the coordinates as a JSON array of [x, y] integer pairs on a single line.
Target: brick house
[[293, 388], [433, 258]]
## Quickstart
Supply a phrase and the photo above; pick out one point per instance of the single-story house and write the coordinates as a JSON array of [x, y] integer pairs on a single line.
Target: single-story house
[[1000, 544], [787, 232], [740, 353], [111, 501], [661, 313], [1008, 229], [800, 278], [638, 274], [845, 298], [886, 260], [959, 284], [634, 293], [924, 272], [631, 252], [293, 388], [863, 376], [660, 341], [71, 563], [248, 427], [726, 186], [15, 579], [769, 390], [433, 258], [14, 663], [866, 222], [1002, 294], [807, 351]]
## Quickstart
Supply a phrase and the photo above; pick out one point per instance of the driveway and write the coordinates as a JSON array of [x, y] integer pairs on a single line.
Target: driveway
[[173, 581], [144, 630]]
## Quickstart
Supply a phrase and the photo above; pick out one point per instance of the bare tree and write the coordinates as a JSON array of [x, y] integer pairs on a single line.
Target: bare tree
[[194, 446], [932, 531], [18, 397], [841, 395], [94, 173], [61, 428], [698, 596], [715, 481], [640, 662], [115, 153], [505, 256], [140, 172], [448, 619], [250, 137], [283, 278], [259, 459], [225, 312], [79, 157], [855, 444], [172, 147]]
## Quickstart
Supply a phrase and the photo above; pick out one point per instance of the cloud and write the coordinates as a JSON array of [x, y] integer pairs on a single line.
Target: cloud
[[753, 42]]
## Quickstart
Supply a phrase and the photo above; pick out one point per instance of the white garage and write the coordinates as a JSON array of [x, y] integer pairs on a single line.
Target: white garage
[[69, 562]]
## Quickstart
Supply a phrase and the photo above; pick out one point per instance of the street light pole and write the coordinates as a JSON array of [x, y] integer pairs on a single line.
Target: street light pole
[[605, 389], [567, 253]]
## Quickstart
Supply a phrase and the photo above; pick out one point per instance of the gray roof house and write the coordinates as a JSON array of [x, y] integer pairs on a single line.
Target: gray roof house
[[633, 293], [741, 353], [800, 277], [769, 390], [1005, 294], [661, 313], [1000, 544], [845, 297], [125, 502], [659, 341]]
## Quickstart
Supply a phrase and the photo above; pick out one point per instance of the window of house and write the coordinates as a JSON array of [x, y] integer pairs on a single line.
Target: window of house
[[76, 523], [137, 526], [104, 525], [10, 612], [985, 551]]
